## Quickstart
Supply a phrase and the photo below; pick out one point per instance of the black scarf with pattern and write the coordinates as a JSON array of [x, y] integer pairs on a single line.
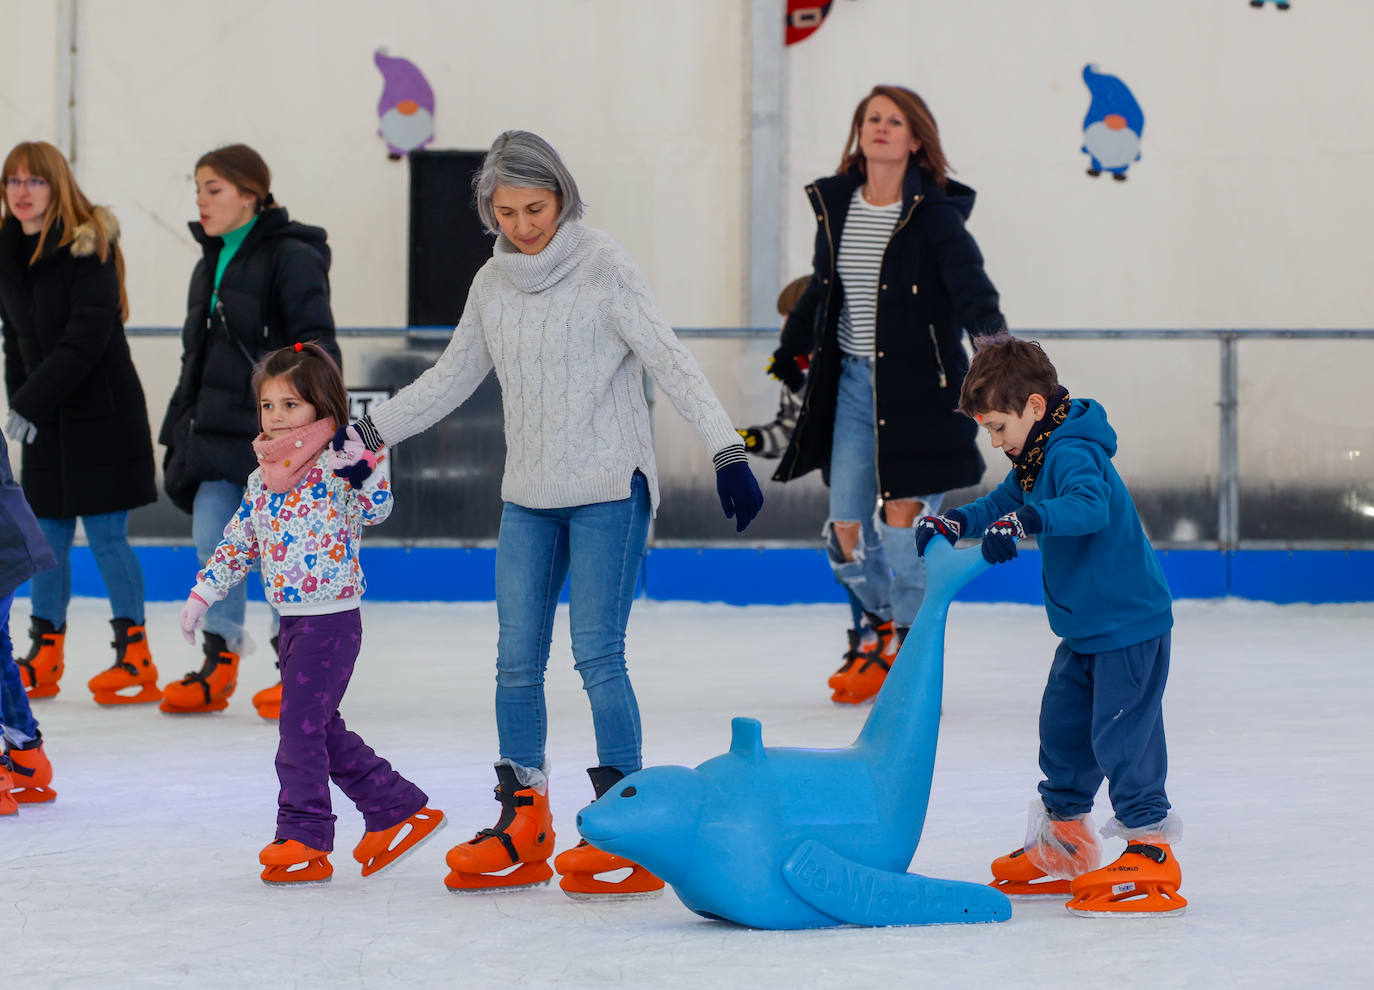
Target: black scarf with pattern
[[1028, 463]]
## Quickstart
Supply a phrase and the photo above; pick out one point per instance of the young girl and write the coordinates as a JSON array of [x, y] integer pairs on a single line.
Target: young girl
[[305, 525], [262, 282]]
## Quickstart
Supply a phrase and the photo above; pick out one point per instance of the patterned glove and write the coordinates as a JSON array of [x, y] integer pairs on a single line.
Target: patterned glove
[[350, 457], [950, 526], [1001, 537], [786, 369], [20, 429], [193, 616]]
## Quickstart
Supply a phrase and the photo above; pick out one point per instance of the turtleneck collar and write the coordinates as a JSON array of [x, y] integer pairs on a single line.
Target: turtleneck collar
[[536, 272], [235, 237], [285, 460]]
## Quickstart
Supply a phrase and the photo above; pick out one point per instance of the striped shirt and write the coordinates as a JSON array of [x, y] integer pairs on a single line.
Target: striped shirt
[[867, 230]]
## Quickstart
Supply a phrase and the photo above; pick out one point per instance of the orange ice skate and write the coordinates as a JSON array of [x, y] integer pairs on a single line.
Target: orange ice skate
[[31, 775], [852, 655], [208, 689], [866, 678], [515, 853], [8, 806], [1056, 851], [133, 669], [1016, 876], [268, 702], [382, 848], [41, 670], [583, 866], [291, 863], [1143, 882]]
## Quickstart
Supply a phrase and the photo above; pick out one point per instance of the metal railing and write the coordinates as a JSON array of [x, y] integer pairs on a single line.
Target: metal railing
[[1228, 396]]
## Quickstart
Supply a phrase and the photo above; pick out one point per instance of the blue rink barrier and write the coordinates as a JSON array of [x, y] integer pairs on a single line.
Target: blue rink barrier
[[782, 575]]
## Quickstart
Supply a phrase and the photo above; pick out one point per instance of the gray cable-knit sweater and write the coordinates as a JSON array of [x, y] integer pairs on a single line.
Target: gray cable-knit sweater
[[568, 331]]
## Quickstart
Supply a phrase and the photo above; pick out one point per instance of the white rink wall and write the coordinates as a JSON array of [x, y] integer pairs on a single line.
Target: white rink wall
[[1250, 206], [647, 102]]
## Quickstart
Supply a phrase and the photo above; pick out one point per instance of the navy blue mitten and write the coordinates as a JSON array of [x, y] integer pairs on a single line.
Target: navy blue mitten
[[950, 526], [1001, 537], [740, 497]]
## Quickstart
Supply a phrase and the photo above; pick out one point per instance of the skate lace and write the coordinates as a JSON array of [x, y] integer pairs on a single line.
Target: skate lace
[[1148, 851]]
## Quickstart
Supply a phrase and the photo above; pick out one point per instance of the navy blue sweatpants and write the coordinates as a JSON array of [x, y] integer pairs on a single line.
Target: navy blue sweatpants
[[1102, 717]]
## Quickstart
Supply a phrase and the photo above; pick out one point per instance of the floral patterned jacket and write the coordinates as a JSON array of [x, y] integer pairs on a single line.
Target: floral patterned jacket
[[307, 539]]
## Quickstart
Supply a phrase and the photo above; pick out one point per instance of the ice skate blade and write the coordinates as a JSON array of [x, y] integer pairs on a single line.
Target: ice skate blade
[[507, 889], [1120, 915], [843, 699], [1018, 888], [110, 699], [34, 795], [609, 896], [217, 706], [279, 884]]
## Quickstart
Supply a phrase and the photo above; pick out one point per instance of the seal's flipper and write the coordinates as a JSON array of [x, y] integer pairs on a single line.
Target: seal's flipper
[[859, 895]]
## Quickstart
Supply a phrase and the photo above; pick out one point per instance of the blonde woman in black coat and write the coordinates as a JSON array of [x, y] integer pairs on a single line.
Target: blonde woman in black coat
[[76, 407]]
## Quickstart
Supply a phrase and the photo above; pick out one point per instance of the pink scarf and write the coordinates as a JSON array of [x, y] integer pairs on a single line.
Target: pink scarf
[[285, 460]]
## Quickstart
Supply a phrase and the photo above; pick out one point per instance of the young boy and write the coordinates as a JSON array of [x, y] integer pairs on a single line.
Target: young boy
[[1107, 598]]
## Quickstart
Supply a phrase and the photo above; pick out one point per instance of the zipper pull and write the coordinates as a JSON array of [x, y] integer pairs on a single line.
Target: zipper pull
[[944, 382]]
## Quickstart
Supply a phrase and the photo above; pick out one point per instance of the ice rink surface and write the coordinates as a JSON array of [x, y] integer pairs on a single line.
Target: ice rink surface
[[144, 872]]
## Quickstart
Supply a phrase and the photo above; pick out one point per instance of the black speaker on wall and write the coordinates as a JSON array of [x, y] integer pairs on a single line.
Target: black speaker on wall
[[447, 243]]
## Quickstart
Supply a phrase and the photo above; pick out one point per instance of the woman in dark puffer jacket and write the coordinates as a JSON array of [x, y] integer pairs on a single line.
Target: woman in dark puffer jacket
[[262, 283]]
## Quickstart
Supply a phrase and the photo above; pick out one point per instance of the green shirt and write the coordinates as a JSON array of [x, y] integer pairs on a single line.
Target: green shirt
[[232, 240]]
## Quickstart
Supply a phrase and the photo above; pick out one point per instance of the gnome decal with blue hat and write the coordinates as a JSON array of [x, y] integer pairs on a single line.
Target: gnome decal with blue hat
[[1114, 125], [406, 109]]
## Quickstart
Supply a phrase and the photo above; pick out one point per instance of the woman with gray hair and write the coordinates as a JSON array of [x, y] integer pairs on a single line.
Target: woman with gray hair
[[567, 320]]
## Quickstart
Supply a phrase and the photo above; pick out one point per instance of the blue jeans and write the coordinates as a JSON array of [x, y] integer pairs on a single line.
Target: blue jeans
[[108, 536], [215, 504], [886, 575], [599, 548], [1102, 716], [17, 723]]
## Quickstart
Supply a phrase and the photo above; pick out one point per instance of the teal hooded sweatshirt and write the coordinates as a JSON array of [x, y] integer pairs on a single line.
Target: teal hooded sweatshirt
[[1104, 588]]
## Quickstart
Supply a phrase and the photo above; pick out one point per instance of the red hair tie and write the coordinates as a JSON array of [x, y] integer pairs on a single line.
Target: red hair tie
[[299, 348]]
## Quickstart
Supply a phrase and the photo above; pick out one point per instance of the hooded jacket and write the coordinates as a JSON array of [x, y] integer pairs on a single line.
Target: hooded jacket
[[1104, 588], [273, 293], [69, 372], [932, 288]]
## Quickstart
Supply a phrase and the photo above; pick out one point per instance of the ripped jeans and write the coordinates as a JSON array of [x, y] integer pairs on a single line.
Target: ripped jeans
[[885, 575]]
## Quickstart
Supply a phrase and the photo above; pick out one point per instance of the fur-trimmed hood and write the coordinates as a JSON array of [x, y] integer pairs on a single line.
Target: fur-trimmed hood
[[83, 242], [82, 245]]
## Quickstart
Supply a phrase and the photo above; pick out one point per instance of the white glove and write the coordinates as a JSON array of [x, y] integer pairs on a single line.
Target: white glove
[[193, 617], [20, 429]]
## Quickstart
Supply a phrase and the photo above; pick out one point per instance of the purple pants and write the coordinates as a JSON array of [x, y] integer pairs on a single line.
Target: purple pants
[[317, 654]]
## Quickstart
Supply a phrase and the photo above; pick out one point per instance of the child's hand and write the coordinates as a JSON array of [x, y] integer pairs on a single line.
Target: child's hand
[[193, 616], [787, 369], [999, 542], [349, 457], [949, 525]]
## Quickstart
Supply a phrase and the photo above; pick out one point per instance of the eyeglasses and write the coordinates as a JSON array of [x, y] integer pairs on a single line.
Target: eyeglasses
[[32, 182]]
